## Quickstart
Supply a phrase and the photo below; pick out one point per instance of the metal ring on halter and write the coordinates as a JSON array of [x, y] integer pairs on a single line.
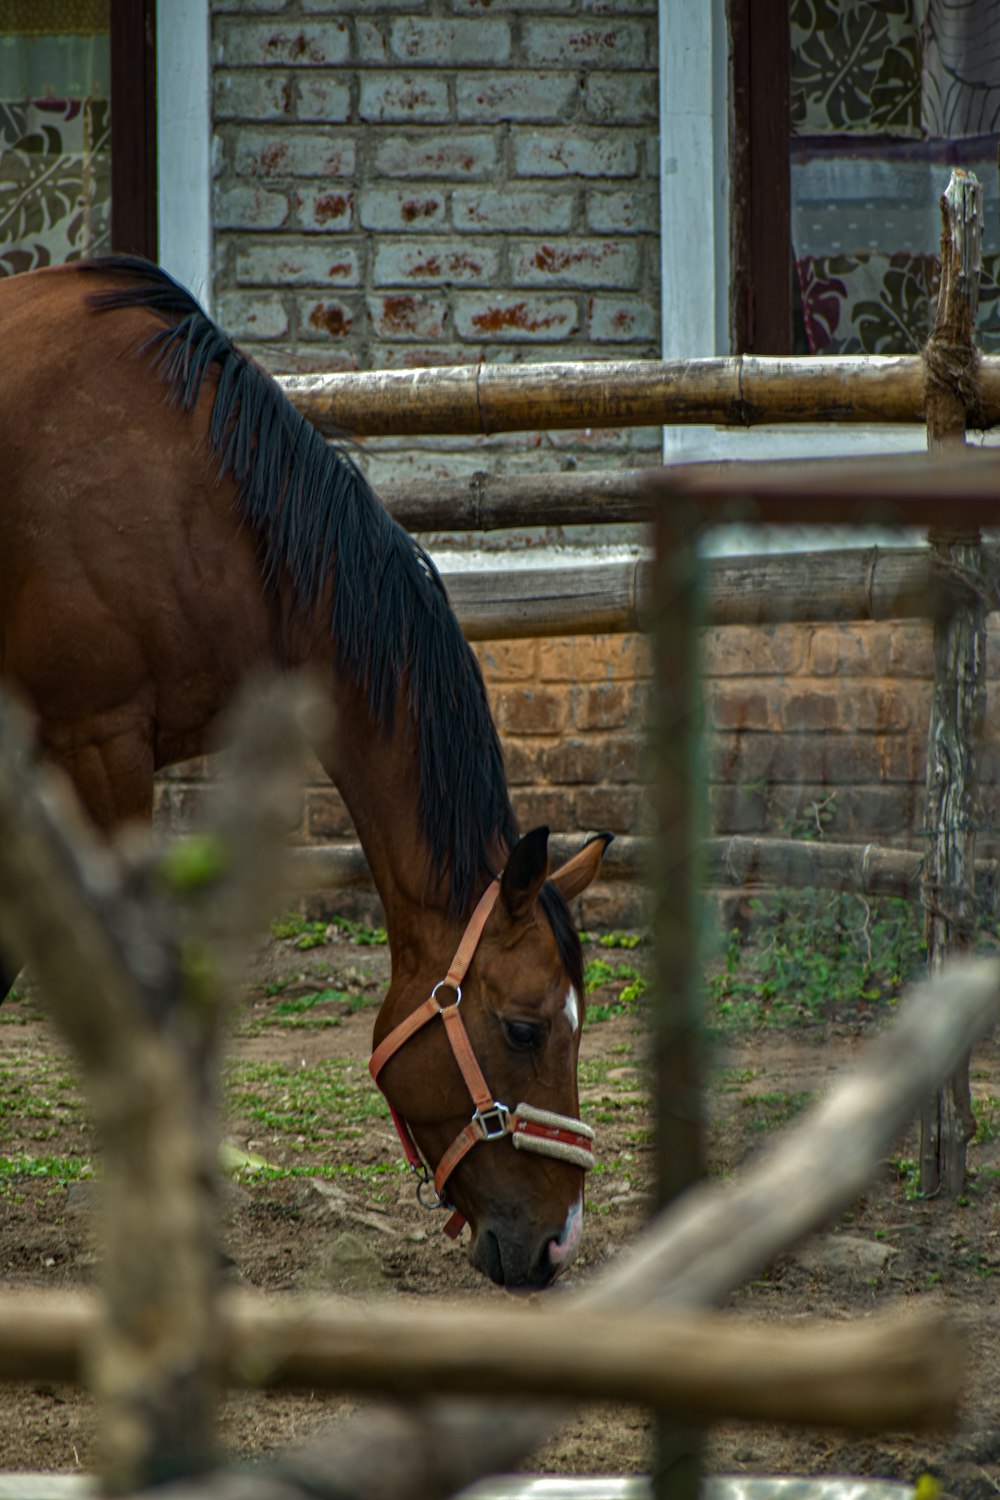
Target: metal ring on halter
[[428, 1182], [451, 985]]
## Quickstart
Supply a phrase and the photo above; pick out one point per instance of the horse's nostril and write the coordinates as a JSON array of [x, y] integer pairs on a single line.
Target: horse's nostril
[[548, 1267], [488, 1257]]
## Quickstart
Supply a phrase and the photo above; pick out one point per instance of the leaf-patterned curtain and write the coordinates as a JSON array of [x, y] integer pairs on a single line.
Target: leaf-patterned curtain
[[55, 176], [886, 99]]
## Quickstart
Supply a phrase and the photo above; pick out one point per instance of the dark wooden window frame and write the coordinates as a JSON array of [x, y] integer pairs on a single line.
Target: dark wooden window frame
[[134, 227], [760, 240]]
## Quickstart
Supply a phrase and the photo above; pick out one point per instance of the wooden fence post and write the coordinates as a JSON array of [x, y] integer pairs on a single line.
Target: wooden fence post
[[958, 704], [675, 1018], [131, 957]]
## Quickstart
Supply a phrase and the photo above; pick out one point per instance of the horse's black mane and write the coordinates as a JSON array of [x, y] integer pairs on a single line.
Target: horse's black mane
[[312, 510]]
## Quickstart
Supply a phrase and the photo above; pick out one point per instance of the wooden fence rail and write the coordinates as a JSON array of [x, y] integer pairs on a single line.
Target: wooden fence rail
[[865, 869], [733, 392], [605, 598], [594, 497]]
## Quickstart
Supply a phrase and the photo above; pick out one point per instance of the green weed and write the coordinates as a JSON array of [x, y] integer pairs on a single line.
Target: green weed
[[313, 1107], [811, 952], [597, 973], [313, 933], [908, 1174], [299, 1010], [774, 1109], [987, 1116], [620, 939], [59, 1169]]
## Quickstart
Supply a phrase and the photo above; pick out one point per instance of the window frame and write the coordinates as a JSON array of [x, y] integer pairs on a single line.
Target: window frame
[[134, 227]]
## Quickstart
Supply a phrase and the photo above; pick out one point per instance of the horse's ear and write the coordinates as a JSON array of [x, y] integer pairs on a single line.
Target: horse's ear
[[577, 873], [525, 873]]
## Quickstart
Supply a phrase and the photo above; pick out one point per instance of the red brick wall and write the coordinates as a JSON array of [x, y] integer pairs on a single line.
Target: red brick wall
[[830, 717], [809, 727]]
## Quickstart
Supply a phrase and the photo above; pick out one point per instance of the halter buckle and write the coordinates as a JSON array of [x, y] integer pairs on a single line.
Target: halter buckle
[[492, 1122]]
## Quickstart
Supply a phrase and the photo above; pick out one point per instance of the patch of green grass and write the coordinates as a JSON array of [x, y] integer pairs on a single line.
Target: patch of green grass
[[307, 934], [812, 951], [774, 1109], [58, 1169], [299, 1009], [987, 1116], [593, 1071], [620, 939], [731, 1079], [312, 1107], [17, 1008], [598, 973], [313, 933], [305, 1012], [372, 1174], [908, 1174], [41, 1105]]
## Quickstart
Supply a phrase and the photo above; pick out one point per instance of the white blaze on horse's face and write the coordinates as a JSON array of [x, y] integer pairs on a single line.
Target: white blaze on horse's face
[[571, 1006]]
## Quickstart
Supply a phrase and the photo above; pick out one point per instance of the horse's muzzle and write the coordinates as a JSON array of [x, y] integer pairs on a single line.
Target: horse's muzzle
[[518, 1261]]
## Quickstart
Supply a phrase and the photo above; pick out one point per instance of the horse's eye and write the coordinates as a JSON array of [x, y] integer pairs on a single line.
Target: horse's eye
[[523, 1035]]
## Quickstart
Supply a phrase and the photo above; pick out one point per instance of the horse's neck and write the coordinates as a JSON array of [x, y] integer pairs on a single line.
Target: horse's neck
[[378, 777]]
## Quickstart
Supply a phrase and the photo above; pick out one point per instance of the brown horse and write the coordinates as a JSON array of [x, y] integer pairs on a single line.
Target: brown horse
[[168, 522]]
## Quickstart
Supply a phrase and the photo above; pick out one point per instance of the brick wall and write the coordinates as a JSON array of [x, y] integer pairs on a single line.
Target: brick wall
[[819, 727], [403, 183], [809, 727]]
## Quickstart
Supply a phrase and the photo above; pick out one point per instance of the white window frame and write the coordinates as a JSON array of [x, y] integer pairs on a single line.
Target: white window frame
[[184, 143], [694, 214]]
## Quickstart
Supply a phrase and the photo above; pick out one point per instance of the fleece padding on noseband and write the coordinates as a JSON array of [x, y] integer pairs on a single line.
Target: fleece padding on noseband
[[552, 1135]]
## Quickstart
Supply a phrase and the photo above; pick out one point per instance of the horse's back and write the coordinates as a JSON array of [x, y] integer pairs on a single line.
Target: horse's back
[[78, 405], [129, 597]]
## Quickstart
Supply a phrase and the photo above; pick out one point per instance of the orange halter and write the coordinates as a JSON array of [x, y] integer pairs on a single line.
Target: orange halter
[[532, 1129]]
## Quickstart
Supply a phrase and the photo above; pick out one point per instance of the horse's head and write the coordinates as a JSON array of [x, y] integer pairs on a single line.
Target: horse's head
[[485, 1085]]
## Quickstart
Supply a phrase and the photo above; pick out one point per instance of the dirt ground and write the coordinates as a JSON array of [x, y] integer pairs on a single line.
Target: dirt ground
[[358, 1231]]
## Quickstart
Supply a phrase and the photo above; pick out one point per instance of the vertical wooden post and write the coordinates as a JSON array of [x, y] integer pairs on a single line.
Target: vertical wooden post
[[959, 699], [131, 947], [675, 1020]]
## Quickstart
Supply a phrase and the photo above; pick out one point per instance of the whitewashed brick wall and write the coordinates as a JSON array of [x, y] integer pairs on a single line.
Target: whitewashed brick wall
[[405, 183]]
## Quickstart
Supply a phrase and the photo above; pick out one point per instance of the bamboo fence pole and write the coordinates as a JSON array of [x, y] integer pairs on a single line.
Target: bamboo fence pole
[[864, 869], [579, 497], [737, 391], [958, 703], [607, 598], [597, 498], [910, 490]]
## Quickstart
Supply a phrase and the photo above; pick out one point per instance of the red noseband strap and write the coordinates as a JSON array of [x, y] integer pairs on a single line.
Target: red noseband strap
[[532, 1129]]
